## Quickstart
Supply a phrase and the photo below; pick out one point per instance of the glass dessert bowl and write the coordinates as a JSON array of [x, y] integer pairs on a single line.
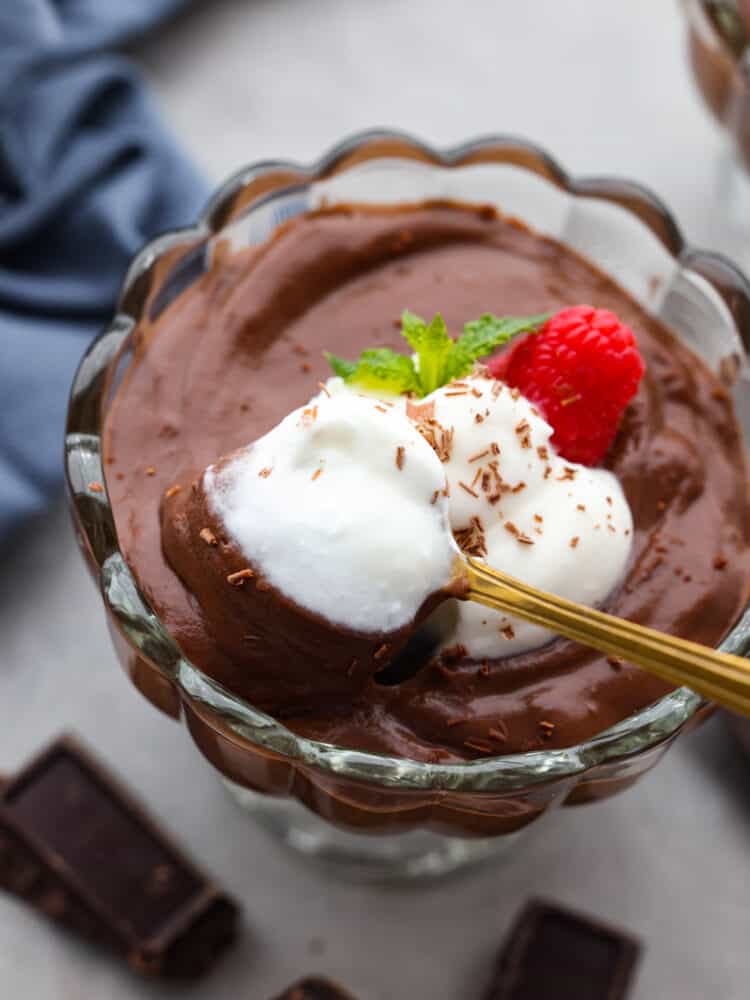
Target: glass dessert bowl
[[370, 814]]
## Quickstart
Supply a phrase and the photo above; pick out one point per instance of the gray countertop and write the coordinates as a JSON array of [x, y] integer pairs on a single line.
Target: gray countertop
[[605, 87]]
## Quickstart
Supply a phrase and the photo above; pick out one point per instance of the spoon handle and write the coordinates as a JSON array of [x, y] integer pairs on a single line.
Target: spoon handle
[[720, 677]]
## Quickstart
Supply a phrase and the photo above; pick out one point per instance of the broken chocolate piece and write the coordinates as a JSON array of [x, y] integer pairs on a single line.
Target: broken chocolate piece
[[77, 846], [315, 988], [554, 952]]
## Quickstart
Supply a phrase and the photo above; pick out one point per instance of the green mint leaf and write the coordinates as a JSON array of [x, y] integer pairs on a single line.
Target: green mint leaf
[[413, 329], [433, 346], [381, 370], [344, 369], [482, 336], [383, 367]]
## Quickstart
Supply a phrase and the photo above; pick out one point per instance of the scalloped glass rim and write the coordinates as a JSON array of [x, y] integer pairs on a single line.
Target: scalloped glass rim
[[641, 731]]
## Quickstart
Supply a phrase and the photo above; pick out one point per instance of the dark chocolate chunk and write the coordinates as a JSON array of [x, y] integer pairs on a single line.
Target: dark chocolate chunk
[[315, 988], [554, 952], [81, 849]]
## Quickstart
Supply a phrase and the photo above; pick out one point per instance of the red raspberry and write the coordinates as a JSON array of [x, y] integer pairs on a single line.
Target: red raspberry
[[580, 370]]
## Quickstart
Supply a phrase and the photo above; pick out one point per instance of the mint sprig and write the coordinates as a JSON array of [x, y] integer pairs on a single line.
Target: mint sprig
[[439, 358]]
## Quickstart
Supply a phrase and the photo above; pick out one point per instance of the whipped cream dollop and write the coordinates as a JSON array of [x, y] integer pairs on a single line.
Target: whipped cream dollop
[[517, 505], [342, 508]]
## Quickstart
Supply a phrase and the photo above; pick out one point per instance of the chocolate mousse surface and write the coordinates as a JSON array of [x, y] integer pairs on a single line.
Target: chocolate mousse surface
[[243, 346]]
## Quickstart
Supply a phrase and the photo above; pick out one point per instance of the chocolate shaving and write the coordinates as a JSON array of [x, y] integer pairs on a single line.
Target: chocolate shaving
[[574, 541], [420, 411], [265, 473], [472, 539], [454, 653], [499, 732], [508, 632], [468, 489], [520, 536], [438, 437], [400, 457], [150, 471], [237, 579], [208, 536], [172, 491]]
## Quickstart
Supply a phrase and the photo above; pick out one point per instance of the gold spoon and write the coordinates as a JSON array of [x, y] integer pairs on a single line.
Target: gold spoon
[[720, 677]]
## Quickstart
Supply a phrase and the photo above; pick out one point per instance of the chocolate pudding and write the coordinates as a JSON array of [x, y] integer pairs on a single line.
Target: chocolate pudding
[[230, 357]]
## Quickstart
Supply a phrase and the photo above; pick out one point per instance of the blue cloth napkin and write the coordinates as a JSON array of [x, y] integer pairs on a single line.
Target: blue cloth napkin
[[87, 175]]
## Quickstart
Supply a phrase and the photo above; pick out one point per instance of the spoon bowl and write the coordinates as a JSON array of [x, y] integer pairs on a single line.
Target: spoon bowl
[[721, 677]]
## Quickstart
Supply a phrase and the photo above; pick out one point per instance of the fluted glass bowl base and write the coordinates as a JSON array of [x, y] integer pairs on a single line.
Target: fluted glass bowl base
[[419, 855]]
